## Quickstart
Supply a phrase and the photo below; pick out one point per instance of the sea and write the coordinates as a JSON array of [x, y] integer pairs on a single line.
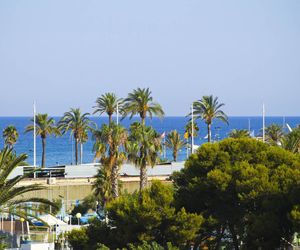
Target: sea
[[60, 150]]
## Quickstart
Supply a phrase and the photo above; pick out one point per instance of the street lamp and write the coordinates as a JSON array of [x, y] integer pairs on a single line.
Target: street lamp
[[22, 220], [78, 216]]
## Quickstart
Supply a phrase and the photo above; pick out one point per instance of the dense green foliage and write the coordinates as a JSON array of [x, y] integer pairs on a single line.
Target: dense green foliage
[[153, 219], [247, 191]]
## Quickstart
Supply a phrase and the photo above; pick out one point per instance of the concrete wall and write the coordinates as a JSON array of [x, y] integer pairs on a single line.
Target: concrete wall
[[72, 189]]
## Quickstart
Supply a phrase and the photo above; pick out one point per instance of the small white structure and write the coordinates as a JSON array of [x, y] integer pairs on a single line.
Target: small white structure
[[37, 246]]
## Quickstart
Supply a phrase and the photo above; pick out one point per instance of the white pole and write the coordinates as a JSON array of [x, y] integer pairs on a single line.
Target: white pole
[[165, 146], [192, 112], [249, 125], [264, 122], [117, 113], [34, 138], [81, 152]]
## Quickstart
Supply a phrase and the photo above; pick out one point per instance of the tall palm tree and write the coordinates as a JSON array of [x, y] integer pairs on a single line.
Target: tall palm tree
[[44, 126], [110, 145], [141, 102], [10, 135], [239, 133], [77, 123], [274, 134], [143, 148], [175, 143], [208, 109], [12, 200], [107, 103]]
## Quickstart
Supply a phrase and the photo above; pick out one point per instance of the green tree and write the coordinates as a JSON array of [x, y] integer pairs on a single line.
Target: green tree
[[274, 134], [141, 102], [78, 238], [10, 135], [175, 143], [108, 103], [45, 126], [239, 133], [245, 189], [155, 219], [110, 142], [208, 109], [143, 148], [77, 123], [12, 200]]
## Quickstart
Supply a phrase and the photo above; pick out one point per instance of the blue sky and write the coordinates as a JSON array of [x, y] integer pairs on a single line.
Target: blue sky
[[66, 53]]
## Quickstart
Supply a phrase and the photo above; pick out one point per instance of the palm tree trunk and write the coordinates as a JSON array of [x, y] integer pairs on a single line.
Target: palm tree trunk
[[44, 152], [114, 184], [109, 119], [143, 177], [175, 155], [208, 132], [143, 121], [76, 151]]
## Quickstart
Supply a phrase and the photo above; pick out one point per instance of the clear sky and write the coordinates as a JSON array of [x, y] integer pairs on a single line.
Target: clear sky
[[66, 53]]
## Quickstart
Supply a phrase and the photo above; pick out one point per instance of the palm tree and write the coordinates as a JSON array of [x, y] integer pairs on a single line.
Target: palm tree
[[274, 134], [44, 126], [110, 143], [77, 124], [175, 143], [291, 141], [12, 200], [102, 185], [141, 102], [188, 129], [107, 103], [239, 133], [208, 109], [143, 148], [10, 135]]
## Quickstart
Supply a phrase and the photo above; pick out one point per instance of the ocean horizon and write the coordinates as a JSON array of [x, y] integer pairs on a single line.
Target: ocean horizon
[[60, 150]]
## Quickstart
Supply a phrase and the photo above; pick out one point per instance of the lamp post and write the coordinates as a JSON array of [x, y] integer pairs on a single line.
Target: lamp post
[[78, 216], [22, 220]]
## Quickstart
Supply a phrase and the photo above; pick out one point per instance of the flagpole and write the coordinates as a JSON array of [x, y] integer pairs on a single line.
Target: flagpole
[[192, 112], [34, 137], [264, 122]]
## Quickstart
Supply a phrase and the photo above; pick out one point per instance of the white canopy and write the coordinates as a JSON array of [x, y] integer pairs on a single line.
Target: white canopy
[[51, 220]]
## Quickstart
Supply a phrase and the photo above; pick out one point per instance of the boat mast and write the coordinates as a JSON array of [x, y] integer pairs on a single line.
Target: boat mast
[[34, 137], [264, 122], [192, 112]]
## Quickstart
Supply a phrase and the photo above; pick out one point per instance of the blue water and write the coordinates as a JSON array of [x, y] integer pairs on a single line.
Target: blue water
[[59, 150]]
